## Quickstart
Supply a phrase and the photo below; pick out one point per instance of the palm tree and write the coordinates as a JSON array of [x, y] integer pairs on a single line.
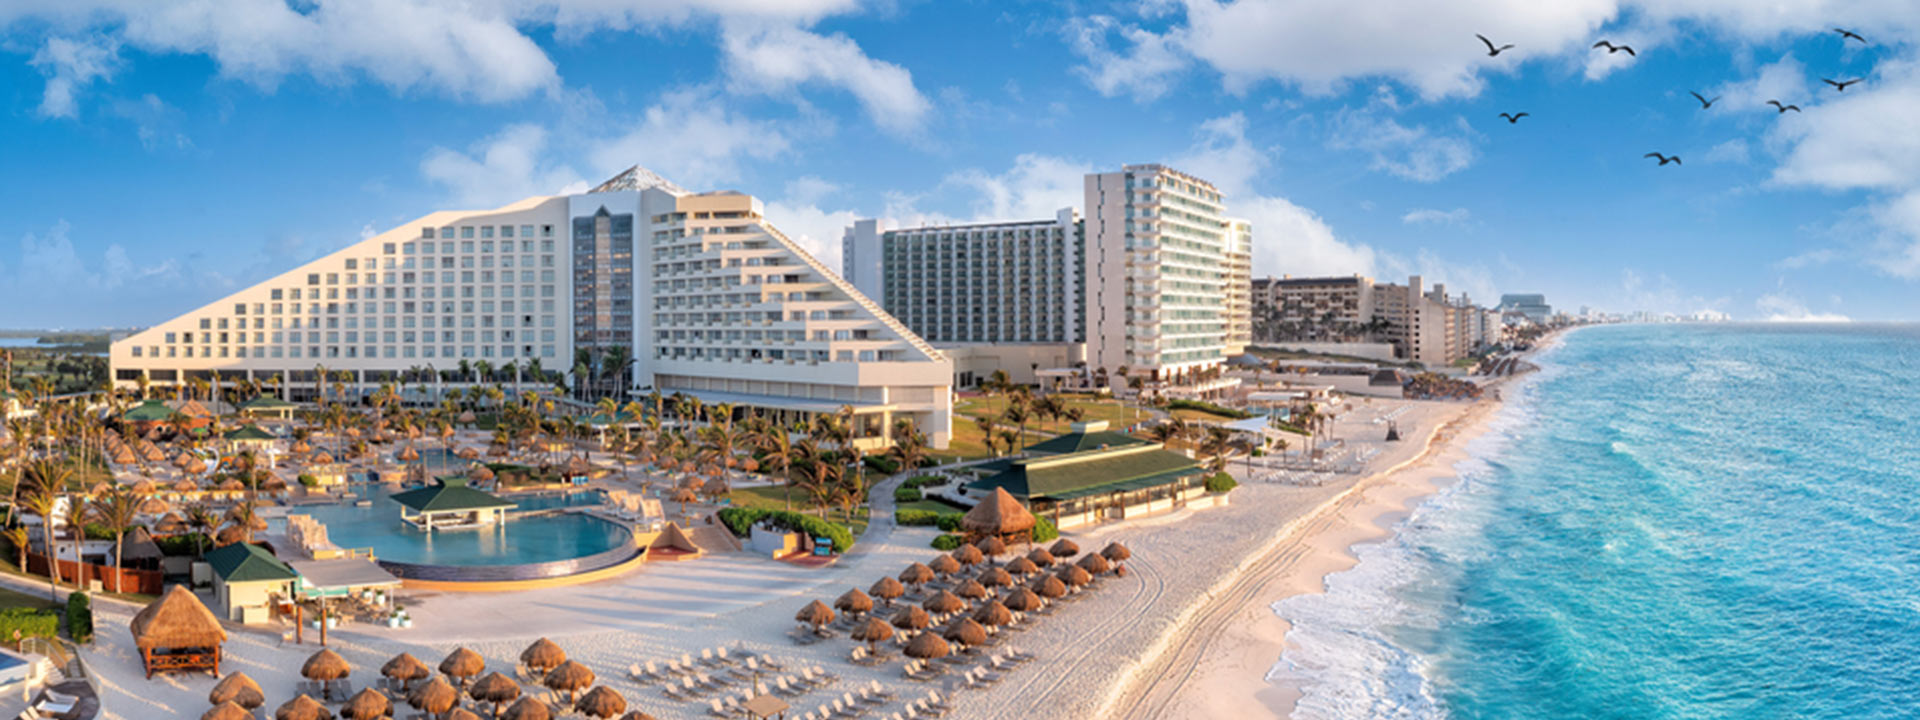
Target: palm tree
[[1215, 446], [116, 511], [819, 471], [244, 516], [613, 365], [1019, 410], [19, 537], [202, 520], [42, 502], [909, 445], [987, 427], [777, 453], [78, 512]]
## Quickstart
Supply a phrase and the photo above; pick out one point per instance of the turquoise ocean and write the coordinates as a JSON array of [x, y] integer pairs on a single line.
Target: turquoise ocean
[[1666, 522]]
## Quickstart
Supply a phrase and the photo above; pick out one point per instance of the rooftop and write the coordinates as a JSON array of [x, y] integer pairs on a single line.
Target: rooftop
[[451, 494], [244, 562], [638, 178], [1090, 472]]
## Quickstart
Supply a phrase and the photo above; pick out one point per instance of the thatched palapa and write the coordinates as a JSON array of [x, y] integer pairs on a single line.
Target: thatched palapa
[[816, 613], [302, 707], [601, 702], [462, 664], [999, 516], [928, 646], [177, 632], [854, 601], [887, 588], [494, 688], [369, 704], [943, 602], [543, 655], [966, 632], [434, 696], [569, 677], [238, 689], [406, 668], [223, 711], [527, 709]]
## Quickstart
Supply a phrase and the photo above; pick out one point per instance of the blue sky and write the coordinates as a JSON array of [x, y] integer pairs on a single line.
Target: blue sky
[[159, 155]]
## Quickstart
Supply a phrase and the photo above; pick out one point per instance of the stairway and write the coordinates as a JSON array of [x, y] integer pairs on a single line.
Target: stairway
[[713, 539]]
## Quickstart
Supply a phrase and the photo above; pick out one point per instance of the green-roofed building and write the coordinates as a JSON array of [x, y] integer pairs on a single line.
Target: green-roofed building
[[268, 405], [151, 411], [450, 503], [1091, 475], [247, 579]]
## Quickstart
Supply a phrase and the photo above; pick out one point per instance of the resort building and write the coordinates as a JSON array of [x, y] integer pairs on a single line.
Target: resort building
[[449, 503], [1239, 286], [1013, 282], [247, 578], [1092, 475], [1156, 272], [651, 286], [1352, 315], [1532, 305]]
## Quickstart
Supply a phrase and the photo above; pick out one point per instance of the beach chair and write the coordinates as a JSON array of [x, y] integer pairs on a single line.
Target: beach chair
[[30, 714], [936, 705], [1017, 655], [720, 654], [825, 676], [675, 693], [715, 709], [707, 658], [875, 689], [784, 688]]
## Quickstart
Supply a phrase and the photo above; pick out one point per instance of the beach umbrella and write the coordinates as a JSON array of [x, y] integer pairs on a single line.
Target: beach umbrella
[[854, 601], [1073, 575], [995, 577], [874, 630], [993, 613], [916, 574], [238, 689], [321, 458], [928, 646], [601, 702], [1116, 552], [966, 632], [467, 453], [911, 618], [408, 454], [145, 487], [816, 613], [494, 688], [405, 668], [433, 696], [1065, 549], [944, 565], [999, 515], [636, 715], [1023, 600], [569, 677], [300, 447], [528, 709], [543, 655], [972, 590], [101, 489], [232, 486], [223, 711], [170, 524], [460, 714], [1048, 586], [274, 484], [229, 535], [887, 589], [944, 602], [467, 418], [325, 666], [1094, 564], [302, 707], [1022, 566], [685, 495], [369, 704], [462, 664], [481, 473], [968, 555], [152, 506], [186, 486], [578, 466], [991, 545]]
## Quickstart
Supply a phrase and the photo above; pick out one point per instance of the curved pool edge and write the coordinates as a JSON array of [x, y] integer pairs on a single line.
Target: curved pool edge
[[638, 556]]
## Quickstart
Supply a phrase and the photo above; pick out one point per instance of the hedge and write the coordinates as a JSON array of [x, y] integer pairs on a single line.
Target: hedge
[[1221, 482], [183, 545], [1185, 404], [309, 480], [948, 522], [908, 517], [906, 494], [79, 618], [883, 464], [1043, 529], [28, 623], [946, 542], [920, 481], [741, 521]]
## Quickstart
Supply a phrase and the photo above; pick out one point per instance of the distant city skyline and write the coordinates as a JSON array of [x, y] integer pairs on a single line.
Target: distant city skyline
[[160, 159]]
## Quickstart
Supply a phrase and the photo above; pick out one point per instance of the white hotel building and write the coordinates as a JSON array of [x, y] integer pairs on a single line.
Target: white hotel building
[[1159, 248], [710, 298]]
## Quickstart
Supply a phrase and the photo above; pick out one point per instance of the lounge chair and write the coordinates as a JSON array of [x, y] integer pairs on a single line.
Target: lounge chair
[[715, 709], [676, 693], [30, 714], [875, 689], [639, 674], [720, 654], [784, 688], [936, 704]]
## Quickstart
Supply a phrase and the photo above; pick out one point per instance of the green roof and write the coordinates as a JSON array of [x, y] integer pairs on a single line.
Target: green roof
[[266, 402], [1090, 472], [450, 495], [250, 432], [1077, 442], [242, 562], [623, 417], [149, 411]]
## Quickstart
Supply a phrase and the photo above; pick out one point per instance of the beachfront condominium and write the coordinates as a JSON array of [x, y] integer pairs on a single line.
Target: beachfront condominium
[[1531, 305], [1239, 286], [1329, 314], [1158, 242], [663, 289]]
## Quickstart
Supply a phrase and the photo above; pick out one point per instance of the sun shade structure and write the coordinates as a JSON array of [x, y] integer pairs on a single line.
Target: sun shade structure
[[302, 707], [601, 702], [993, 613], [1023, 600], [238, 689], [911, 618], [944, 602], [325, 666], [369, 704], [449, 503], [435, 696], [569, 677], [460, 714], [494, 688], [871, 631], [1022, 566], [999, 515], [226, 711], [816, 613], [972, 590], [1094, 564], [991, 545], [1073, 575], [944, 565], [887, 588], [177, 632], [542, 655], [527, 709], [1074, 477], [966, 632], [1116, 552], [462, 664], [928, 646], [406, 668], [1048, 586], [916, 574], [854, 601]]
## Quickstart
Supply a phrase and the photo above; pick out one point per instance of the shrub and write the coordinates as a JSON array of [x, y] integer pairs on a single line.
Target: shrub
[[1221, 482], [948, 522], [1043, 530], [79, 618], [910, 517], [906, 494], [883, 464], [1206, 407], [920, 481], [181, 545], [28, 623], [946, 542], [309, 480], [741, 521]]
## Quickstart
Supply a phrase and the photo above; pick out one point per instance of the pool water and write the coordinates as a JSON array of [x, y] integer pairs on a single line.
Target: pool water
[[432, 457], [518, 541]]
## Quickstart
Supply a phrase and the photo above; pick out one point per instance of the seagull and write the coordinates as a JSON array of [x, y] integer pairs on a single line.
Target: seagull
[[1845, 34], [1663, 159], [1612, 48], [1783, 108], [1704, 103], [1840, 86], [1511, 119], [1491, 50]]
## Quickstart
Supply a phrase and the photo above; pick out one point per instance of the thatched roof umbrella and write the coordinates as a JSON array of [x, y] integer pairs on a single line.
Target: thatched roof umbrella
[[871, 632], [153, 506], [225, 711], [1048, 586], [1000, 515], [406, 668], [968, 555], [995, 577], [911, 618], [233, 485], [462, 664], [816, 613], [944, 565], [542, 655], [570, 677], [238, 689], [186, 486], [321, 458], [994, 614], [1022, 566], [467, 418], [1094, 564], [928, 646], [1065, 548], [944, 602], [481, 473], [1073, 575], [433, 696], [408, 454], [325, 666], [229, 535], [177, 620], [601, 702], [636, 715], [460, 714], [467, 453], [369, 704], [578, 465], [887, 589], [1024, 600], [916, 574], [274, 484], [302, 707], [494, 688], [1116, 552], [145, 487], [101, 489], [972, 590], [170, 524], [991, 546], [527, 709], [124, 456], [300, 447], [854, 601], [966, 632]]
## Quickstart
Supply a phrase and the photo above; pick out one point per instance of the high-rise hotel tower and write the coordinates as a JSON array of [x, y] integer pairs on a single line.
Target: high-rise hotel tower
[[705, 296]]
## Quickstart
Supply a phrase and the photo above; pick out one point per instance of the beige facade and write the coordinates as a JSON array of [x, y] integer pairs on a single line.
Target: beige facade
[[1239, 286], [1156, 271]]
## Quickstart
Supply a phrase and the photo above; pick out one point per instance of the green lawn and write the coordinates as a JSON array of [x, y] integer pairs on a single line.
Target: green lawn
[[773, 497], [1190, 414], [10, 599], [1112, 411], [930, 505]]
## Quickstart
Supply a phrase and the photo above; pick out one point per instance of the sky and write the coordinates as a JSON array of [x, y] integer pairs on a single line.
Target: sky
[[157, 156]]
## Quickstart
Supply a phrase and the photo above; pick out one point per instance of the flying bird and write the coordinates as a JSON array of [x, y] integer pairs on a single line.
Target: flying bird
[[1840, 86], [1663, 159], [1612, 48], [1783, 108], [1491, 50], [1511, 119], [1704, 103], [1846, 34]]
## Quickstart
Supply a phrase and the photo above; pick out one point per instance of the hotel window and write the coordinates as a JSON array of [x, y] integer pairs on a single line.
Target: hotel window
[[466, 231], [486, 231]]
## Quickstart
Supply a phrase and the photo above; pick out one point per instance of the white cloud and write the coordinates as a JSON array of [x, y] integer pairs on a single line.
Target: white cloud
[[776, 59], [1414, 153], [1863, 141], [1784, 307], [51, 262], [70, 65], [1145, 70], [1660, 294], [1035, 187], [1784, 80], [157, 123], [1731, 152], [1292, 240], [1430, 216], [1221, 154], [508, 166], [693, 139]]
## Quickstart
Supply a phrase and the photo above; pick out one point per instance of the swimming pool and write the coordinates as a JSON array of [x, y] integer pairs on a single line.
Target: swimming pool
[[432, 457], [535, 540]]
